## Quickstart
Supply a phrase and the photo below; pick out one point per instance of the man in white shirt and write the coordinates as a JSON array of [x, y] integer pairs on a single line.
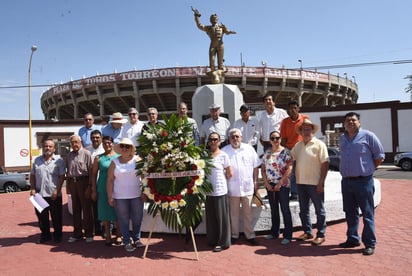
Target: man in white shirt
[[270, 120], [216, 124], [249, 127], [96, 147], [245, 165], [133, 128]]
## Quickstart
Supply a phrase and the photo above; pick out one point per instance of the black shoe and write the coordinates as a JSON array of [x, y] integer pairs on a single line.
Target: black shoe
[[234, 240], [369, 250], [43, 240], [349, 244], [57, 239], [293, 197], [253, 241]]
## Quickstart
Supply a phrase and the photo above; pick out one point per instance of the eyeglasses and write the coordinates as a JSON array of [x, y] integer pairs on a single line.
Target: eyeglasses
[[132, 114], [213, 139], [273, 138], [123, 146]]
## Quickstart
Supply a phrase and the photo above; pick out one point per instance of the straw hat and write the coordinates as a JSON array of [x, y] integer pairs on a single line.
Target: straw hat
[[315, 127], [124, 141], [214, 106], [117, 118]]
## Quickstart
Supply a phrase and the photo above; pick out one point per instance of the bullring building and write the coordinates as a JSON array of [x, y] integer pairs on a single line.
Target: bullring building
[[165, 88]]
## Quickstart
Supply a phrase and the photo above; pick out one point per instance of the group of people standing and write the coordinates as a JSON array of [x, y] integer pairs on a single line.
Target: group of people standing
[[101, 180], [100, 171], [294, 166]]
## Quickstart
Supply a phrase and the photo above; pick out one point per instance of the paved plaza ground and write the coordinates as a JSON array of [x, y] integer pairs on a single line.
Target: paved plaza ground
[[170, 255]]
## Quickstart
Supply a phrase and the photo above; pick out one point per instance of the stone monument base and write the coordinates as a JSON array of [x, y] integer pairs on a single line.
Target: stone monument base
[[261, 215]]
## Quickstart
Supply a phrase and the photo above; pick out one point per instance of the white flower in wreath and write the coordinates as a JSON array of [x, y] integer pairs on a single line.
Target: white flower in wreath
[[183, 192], [149, 136], [165, 205], [144, 181], [146, 191], [200, 163], [182, 202], [200, 180], [174, 204], [195, 190], [169, 146]]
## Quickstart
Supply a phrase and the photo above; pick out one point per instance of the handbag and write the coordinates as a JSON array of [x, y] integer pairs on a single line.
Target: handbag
[[257, 200]]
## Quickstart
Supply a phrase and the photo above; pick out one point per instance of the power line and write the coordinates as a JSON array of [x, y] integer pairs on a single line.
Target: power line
[[25, 86], [394, 62], [337, 66]]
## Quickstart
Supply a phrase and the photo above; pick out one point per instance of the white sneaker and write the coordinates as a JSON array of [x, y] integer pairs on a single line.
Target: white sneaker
[[72, 240], [138, 244], [129, 248], [89, 239]]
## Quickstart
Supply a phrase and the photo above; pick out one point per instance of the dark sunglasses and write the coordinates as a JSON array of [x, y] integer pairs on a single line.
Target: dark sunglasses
[[88, 119], [130, 114], [273, 138], [122, 146], [213, 139]]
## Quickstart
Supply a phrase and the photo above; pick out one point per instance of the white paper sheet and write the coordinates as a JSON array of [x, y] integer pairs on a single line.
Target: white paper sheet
[[38, 202]]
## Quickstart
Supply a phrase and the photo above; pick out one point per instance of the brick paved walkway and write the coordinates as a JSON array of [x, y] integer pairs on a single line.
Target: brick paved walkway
[[169, 255]]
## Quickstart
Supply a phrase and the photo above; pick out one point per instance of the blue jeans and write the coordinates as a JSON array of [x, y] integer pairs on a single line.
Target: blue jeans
[[126, 210], [282, 198], [307, 193], [358, 194]]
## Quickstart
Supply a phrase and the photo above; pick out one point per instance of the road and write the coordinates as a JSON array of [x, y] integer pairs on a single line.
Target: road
[[392, 172]]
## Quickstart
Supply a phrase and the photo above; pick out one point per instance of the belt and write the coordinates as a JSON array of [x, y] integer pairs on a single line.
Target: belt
[[75, 179], [357, 177]]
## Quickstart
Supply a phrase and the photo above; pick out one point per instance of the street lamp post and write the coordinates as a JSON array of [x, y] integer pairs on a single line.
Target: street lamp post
[[300, 61], [33, 49]]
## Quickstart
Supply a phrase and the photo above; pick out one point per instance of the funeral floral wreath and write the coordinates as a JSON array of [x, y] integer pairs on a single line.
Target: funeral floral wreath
[[173, 172]]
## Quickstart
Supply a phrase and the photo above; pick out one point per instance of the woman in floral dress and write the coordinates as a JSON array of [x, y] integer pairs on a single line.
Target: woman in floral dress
[[276, 169]]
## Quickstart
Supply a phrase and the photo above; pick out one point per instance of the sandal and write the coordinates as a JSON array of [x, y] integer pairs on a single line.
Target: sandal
[[118, 240]]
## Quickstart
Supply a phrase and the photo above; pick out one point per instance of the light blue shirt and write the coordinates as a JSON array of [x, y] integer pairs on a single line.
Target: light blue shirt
[[116, 134], [85, 134], [358, 154], [47, 174]]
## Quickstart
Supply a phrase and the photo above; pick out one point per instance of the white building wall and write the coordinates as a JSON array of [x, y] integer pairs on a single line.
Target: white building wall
[[375, 120], [404, 130], [17, 143]]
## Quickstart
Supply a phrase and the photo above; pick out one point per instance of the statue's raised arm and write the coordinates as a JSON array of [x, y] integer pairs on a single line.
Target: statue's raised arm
[[196, 12]]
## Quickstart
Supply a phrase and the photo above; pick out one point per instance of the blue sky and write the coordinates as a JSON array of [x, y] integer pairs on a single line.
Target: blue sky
[[81, 38]]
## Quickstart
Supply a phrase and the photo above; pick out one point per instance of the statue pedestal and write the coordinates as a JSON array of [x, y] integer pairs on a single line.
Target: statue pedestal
[[261, 216], [227, 96]]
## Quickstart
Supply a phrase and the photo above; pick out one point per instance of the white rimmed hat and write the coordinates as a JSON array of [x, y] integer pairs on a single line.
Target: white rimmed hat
[[117, 118]]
